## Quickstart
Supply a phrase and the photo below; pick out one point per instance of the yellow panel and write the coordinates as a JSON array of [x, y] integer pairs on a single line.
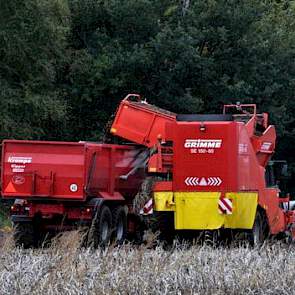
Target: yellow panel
[[244, 210], [197, 210], [163, 201]]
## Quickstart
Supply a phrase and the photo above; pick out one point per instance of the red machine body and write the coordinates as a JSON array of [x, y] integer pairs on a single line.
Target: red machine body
[[207, 153], [68, 171], [140, 122], [220, 154], [225, 156]]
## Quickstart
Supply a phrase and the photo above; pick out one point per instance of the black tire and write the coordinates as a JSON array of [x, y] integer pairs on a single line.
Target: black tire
[[119, 231], [135, 236], [24, 235], [165, 221], [260, 231], [139, 231], [100, 230]]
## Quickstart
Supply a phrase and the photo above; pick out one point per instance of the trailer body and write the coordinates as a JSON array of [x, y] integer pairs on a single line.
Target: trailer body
[[68, 171], [63, 185]]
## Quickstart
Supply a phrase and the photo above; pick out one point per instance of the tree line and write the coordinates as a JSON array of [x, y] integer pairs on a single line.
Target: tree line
[[66, 64]]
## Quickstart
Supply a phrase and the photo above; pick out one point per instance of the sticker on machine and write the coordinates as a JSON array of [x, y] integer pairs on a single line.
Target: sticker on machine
[[19, 160], [202, 146], [203, 181], [73, 187], [18, 179], [225, 206], [18, 168], [147, 208]]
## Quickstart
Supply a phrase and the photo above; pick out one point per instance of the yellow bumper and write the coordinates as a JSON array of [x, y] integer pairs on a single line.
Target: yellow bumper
[[199, 210]]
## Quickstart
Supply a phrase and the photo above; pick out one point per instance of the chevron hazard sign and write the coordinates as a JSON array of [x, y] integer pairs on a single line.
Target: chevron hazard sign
[[203, 181], [147, 208]]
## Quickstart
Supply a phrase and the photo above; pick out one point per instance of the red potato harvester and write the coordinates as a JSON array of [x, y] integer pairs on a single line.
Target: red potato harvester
[[212, 170]]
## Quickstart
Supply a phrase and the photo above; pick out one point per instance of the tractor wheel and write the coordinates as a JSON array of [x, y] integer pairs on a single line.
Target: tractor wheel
[[165, 222], [119, 225], [24, 235], [138, 228], [100, 230], [259, 232]]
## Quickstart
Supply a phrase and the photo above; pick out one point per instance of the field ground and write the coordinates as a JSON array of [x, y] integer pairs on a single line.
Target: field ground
[[65, 268]]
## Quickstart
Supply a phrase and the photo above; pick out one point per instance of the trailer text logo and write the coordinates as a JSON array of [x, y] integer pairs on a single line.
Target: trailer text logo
[[20, 160], [202, 146]]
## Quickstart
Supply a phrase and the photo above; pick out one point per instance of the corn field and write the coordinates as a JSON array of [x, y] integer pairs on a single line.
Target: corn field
[[66, 268]]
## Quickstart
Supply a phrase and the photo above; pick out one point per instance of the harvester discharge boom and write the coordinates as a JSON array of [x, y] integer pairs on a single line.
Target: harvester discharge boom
[[212, 169]]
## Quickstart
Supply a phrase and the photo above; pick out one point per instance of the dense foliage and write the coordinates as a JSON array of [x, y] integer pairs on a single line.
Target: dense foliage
[[65, 64]]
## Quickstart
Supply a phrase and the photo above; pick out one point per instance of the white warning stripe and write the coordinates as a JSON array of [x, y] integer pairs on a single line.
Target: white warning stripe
[[221, 204], [225, 206], [147, 208], [228, 202]]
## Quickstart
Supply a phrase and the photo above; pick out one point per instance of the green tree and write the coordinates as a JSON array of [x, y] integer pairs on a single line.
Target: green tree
[[32, 47]]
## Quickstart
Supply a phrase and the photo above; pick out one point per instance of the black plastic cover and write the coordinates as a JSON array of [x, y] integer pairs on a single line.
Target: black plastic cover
[[204, 118]]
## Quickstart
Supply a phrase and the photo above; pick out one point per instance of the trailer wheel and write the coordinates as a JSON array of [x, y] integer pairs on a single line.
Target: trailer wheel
[[259, 231], [119, 225], [100, 230], [23, 235]]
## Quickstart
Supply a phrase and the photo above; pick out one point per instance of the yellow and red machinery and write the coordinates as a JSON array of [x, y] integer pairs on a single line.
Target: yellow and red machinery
[[210, 175], [212, 168]]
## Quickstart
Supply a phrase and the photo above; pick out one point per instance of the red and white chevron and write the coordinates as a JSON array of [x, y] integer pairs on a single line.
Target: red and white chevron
[[147, 208], [203, 181], [225, 206], [214, 181], [192, 181]]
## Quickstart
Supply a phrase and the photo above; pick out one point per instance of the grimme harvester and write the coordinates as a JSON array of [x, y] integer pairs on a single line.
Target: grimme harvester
[[212, 170], [209, 176]]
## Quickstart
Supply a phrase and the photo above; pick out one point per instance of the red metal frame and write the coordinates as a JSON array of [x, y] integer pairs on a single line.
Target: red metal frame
[[237, 165], [240, 107]]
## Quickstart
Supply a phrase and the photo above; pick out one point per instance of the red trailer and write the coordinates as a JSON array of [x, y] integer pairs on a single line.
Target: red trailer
[[71, 184]]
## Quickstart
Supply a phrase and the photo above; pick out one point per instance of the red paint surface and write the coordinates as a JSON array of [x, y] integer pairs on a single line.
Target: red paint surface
[[139, 122], [92, 170]]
